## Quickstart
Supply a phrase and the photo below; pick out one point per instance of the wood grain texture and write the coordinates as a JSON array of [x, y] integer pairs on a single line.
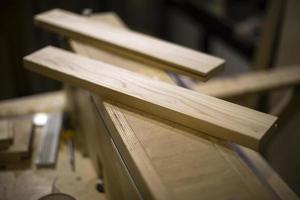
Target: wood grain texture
[[201, 112], [187, 166], [131, 44], [251, 83], [185, 173]]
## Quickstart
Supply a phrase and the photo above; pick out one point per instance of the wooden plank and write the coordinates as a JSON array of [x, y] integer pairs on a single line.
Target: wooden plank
[[21, 147], [51, 101], [251, 83], [201, 112], [6, 134], [214, 155], [134, 45], [189, 167]]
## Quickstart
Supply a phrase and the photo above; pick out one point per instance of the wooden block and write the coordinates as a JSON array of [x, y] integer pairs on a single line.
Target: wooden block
[[131, 44], [251, 83], [6, 134], [21, 147], [201, 112]]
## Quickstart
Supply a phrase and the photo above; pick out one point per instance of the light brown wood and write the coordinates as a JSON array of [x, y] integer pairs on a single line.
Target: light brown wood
[[6, 134], [189, 167], [134, 45], [21, 147], [196, 163], [251, 83], [50, 101], [208, 114]]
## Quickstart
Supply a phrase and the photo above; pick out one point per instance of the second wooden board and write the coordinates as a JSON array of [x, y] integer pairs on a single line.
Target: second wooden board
[[198, 111], [131, 44]]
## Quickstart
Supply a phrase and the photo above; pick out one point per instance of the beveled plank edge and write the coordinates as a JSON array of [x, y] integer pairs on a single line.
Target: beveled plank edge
[[139, 165]]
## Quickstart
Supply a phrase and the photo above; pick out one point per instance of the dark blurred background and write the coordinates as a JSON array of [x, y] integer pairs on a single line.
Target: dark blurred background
[[231, 29]]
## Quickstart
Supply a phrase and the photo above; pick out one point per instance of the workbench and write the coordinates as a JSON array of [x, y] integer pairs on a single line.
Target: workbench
[[23, 180]]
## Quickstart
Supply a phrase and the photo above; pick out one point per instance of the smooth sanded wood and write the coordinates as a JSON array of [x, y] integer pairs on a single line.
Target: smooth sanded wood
[[251, 83], [208, 114], [132, 44], [190, 167]]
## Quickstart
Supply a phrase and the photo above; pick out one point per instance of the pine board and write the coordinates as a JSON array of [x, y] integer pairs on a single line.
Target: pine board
[[198, 111], [131, 44]]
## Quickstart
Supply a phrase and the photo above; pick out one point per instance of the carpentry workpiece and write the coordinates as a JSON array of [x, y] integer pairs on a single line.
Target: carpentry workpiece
[[250, 83], [131, 44], [208, 114], [142, 155]]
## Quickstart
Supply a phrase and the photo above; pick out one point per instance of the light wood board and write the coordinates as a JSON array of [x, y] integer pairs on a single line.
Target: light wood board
[[201, 112], [211, 155], [251, 83], [46, 102], [134, 45], [21, 147]]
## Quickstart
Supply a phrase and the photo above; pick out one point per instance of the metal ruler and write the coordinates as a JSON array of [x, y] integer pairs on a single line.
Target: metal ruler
[[47, 152]]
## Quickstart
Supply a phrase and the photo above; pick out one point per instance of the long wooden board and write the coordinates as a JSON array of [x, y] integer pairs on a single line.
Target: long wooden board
[[132, 44], [195, 163], [251, 83], [47, 102], [208, 114]]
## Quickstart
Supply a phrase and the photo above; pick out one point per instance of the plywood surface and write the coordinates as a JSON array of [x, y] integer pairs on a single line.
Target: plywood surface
[[134, 45], [185, 163], [188, 167], [211, 115]]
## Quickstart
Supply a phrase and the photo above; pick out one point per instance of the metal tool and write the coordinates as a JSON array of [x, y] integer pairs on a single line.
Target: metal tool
[[47, 152]]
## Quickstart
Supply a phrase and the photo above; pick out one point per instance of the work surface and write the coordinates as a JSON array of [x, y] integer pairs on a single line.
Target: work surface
[[23, 180]]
